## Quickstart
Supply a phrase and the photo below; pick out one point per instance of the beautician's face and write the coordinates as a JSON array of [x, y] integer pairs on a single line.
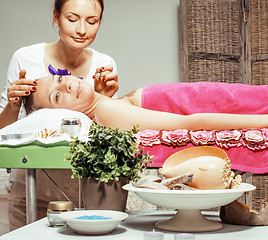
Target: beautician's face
[[63, 92], [79, 22]]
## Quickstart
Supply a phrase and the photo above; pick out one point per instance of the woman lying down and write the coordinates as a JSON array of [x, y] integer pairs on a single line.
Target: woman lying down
[[171, 106]]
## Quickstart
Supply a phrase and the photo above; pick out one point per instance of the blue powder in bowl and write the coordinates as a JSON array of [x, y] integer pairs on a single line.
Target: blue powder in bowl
[[92, 217]]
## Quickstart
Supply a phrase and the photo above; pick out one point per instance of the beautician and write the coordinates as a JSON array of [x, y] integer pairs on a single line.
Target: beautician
[[78, 22]]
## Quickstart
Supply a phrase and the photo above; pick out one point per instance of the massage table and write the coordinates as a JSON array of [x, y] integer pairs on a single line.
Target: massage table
[[39, 154], [31, 157]]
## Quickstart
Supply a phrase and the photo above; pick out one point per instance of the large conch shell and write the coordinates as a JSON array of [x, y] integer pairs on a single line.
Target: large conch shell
[[210, 167]]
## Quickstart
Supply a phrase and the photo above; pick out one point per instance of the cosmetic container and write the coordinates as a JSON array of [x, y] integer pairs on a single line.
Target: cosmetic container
[[53, 211], [71, 126]]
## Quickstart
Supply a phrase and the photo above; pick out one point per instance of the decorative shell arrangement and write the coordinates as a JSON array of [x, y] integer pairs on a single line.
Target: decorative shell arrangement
[[47, 132], [194, 168]]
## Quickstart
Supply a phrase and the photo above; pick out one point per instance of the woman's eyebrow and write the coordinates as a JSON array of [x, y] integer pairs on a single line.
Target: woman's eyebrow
[[79, 15]]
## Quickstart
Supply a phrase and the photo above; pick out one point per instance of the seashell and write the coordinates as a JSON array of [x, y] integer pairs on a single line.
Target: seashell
[[152, 185], [235, 183], [181, 186], [210, 167], [47, 132], [151, 182], [185, 179]]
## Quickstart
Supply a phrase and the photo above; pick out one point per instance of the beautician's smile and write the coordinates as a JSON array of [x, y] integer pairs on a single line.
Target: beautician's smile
[[79, 40]]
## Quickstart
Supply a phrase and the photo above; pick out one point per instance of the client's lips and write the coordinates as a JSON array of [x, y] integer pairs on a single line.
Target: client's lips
[[79, 90]]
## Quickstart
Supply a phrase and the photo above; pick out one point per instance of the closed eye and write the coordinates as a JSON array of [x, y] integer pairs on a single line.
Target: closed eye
[[72, 20], [91, 22]]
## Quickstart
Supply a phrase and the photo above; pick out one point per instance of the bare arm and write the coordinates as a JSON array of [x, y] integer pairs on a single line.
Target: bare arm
[[120, 113], [8, 115], [18, 89]]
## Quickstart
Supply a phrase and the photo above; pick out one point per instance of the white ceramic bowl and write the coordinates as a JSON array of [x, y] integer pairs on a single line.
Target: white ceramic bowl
[[189, 203], [93, 227], [190, 199]]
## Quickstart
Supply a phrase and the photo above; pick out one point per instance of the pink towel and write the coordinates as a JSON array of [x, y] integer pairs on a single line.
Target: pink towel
[[188, 98]]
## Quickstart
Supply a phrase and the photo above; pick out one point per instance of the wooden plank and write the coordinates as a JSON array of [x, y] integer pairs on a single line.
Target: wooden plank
[[248, 43], [259, 57], [184, 41], [242, 40], [214, 56]]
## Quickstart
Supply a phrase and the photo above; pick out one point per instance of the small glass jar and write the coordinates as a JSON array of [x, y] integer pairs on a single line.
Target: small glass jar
[[54, 209], [71, 126]]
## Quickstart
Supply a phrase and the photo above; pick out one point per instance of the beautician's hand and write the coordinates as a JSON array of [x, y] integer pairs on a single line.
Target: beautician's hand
[[107, 82], [19, 88]]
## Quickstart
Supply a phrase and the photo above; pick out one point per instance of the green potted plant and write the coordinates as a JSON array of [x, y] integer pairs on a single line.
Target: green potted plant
[[105, 161]]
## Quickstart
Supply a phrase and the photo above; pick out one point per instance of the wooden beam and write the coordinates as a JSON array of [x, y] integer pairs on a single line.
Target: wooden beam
[[214, 56]]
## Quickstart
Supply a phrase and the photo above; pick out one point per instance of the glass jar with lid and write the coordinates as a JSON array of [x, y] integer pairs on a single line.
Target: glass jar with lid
[[54, 209], [71, 126]]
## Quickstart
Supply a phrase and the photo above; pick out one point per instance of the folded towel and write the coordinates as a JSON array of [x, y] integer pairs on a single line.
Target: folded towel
[[207, 97], [41, 119]]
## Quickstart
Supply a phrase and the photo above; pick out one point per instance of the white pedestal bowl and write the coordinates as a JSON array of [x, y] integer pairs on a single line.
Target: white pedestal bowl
[[189, 204]]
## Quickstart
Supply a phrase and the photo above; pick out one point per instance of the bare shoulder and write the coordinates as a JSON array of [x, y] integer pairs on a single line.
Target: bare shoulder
[[109, 111], [134, 97], [110, 103], [103, 105]]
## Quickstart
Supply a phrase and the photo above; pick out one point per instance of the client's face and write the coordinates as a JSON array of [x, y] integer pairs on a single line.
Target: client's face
[[63, 92]]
